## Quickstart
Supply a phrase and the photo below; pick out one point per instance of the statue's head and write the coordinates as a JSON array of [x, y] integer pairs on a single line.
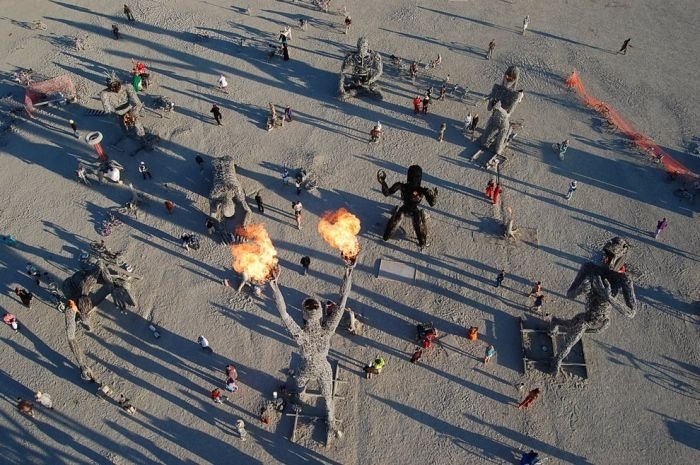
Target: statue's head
[[363, 46], [614, 252], [312, 311], [414, 176]]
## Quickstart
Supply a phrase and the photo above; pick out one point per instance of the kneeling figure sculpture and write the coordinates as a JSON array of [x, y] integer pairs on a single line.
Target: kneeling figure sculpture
[[360, 72]]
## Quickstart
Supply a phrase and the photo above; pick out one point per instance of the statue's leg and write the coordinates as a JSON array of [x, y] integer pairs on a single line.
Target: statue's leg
[[376, 92], [302, 379], [420, 225], [574, 334], [326, 381], [347, 94], [394, 222]]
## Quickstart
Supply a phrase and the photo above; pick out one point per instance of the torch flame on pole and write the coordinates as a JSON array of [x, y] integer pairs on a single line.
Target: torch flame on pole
[[340, 229], [257, 258]]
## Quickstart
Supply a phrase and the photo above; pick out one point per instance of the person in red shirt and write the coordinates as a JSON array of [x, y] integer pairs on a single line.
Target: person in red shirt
[[497, 191], [417, 102], [531, 397], [489, 189]]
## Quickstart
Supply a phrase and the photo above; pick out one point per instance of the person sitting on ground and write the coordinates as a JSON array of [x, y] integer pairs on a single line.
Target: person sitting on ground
[[375, 368]]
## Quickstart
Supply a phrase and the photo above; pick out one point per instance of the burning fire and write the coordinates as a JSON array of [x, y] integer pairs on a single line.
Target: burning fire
[[257, 258], [340, 229]]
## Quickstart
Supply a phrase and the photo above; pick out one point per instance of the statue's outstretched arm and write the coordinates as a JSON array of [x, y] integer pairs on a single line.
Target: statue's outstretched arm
[[386, 190], [289, 323], [577, 288], [378, 69], [335, 317]]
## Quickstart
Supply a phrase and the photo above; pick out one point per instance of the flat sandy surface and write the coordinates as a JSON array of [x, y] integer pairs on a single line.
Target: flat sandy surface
[[640, 401]]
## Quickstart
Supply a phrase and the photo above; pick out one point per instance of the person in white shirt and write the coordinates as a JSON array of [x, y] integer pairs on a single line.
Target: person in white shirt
[[223, 84]]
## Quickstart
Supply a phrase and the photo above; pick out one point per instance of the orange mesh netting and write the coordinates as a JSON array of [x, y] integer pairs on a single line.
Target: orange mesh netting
[[642, 141]]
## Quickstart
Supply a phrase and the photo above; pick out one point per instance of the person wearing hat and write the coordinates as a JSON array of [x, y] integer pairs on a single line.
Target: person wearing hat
[[143, 169]]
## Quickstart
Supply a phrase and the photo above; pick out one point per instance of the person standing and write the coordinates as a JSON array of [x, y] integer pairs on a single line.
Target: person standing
[[145, 172], [25, 407], [441, 132], [170, 206], [572, 189], [490, 188], [44, 399], [490, 352], [200, 162], [216, 396], [74, 127], [536, 289], [660, 226], [240, 429], [127, 12], [497, 191], [285, 52], [426, 102], [474, 125], [526, 23], [115, 31], [82, 174], [259, 201], [297, 207], [10, 320], [489, 53], [417, 355], [298, 180], [210, 226], [216, 111], [417, 102], [500, 277], [539, 302], [563, 147], [348, 23], [468, 123], [305, 264], [223, 84], [625, 46], [288, 114], [25, 296]]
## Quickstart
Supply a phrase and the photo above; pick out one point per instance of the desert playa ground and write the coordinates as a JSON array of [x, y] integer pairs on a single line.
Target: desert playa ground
[[640, 401]]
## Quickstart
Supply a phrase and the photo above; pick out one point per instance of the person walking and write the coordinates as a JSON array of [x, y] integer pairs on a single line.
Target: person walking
[[223, 84], [127, 12], [298, 180], [625, 45], [145, 172], [240, 429], [539, 302], [288, 114], [259, 201], [426, 102], [497, 191], [81, 173], [526, 23], [216, 111], [660, 226], [441, 132], [563, 147], [500, 277], [529, 399], [417, 102], [489, 53], [170, 206], [25, 296], [305, 264], [490, 352], [297, 207], [348, 23], [115, 31], [44, 399], [536, 289], [572, 189], [74, 127]]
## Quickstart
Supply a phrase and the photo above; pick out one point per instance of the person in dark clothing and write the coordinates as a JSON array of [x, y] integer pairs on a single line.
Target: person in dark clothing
[[473, 126], [499, 279], [531, 458], [216, 111], [210, 226], [492, 46], [115, 31], [285, 52], [127, 12], [25, 296], [305, 263], [417, 355], [625, 46], [259, 201], [200, 162]]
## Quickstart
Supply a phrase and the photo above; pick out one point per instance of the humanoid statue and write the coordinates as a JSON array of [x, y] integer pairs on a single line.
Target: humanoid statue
[[412, 194], [124, 101], [226, 189], [360, 72], [503, 101], [601, 284], [314, 339]]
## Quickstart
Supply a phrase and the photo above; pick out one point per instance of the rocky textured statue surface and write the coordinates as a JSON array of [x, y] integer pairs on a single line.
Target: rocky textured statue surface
[[226, 190], [88, 288], [601, 284], [314, 339], [124, 101], [503, 101], [360, 72], [412, 194]]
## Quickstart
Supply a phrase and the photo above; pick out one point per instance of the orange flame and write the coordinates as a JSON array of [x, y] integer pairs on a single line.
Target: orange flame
[[340, 229], [257, 258]]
